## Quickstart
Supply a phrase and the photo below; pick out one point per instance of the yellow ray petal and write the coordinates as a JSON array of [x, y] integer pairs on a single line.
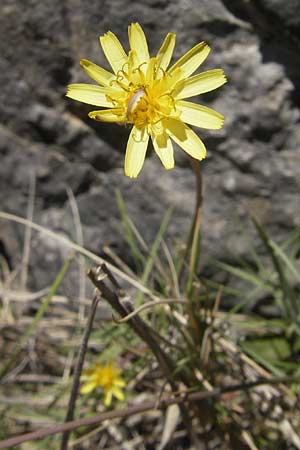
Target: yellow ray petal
[[165, 52], [199, 84], [90, 94], [107, 398], [132, 61], [109, 115], [88, 387], [199, 115], [113, 51], [138, 42], [86, 374], [136, 152], [119, 382], [191, 60], [164, 149], [185, 138], [98, 74], [166, 83], [118, 393], [150, 71]]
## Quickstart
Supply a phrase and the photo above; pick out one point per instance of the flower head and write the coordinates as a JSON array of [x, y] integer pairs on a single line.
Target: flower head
[[144, 92], [105, 377]]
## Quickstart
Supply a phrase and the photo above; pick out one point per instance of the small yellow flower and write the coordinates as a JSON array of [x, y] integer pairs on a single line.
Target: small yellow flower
[[107, 378], [147, 94]]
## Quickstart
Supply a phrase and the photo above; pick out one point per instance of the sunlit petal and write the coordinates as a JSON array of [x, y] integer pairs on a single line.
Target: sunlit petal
[[98, 74], [113, 51], [88, 387], [119, 382], [150, 71], [165, 52], [132, 61], [138, 42], [199, 115], [191, 60], [185, 138], [136, 152], [199, 84], [107, 398], [118, 393], [164, 149], [108, 115], [90, 94]]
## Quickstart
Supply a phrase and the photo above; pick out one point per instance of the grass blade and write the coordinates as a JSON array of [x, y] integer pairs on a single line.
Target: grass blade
[[129, 235], [153, 252], [38, 316], [290, 307]]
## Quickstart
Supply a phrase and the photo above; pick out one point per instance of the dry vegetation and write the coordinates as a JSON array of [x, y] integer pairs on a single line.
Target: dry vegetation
[[197, 376]]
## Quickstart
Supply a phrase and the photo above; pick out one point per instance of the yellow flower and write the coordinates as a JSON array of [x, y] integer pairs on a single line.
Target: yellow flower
[[106, 377], [144, 92]]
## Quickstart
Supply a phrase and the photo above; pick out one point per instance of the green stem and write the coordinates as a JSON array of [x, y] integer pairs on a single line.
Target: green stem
[[193, 238]]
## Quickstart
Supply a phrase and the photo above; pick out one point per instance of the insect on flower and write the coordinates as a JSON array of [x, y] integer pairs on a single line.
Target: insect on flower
[[134, 101], [144, 92]]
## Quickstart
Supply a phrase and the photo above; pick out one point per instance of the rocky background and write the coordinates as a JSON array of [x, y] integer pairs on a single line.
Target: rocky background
[[253, 164]]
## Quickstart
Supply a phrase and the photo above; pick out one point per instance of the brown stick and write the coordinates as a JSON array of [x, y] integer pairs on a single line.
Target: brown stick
[[78, 370], [120, 303], [138, 409]]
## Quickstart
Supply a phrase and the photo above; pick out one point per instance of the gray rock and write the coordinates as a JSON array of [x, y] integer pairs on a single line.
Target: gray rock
[[287, 12]]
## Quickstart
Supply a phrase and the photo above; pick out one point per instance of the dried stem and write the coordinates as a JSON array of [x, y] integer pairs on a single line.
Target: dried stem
[[149, 305], [78, 370], [121, 303], [138, 409]]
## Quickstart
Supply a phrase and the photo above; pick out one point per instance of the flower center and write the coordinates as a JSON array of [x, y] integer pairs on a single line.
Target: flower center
[[146, 96], [140, 109]]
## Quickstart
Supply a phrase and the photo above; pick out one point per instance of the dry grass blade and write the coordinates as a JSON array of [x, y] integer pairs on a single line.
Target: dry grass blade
[[171, 422], [78, 370], [79, 240], [136, 409], [28, 231], [36, 320], [174, 276], [81, 250], [149, 305]]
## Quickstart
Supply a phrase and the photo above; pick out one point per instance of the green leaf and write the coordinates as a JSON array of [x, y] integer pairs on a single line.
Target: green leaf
[[153, 253], [129, 235], [247, 276]]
